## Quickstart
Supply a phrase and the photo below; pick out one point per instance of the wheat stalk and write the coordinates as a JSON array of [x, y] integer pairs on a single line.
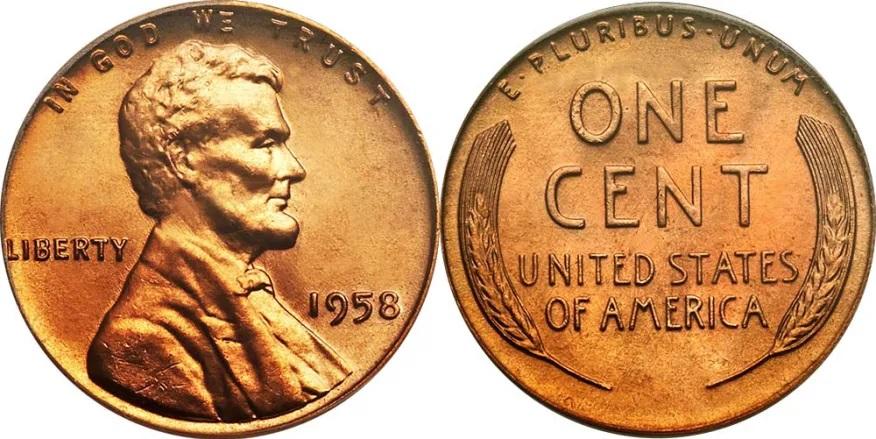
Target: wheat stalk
[[497, 296], [815, 301], [824, 283]]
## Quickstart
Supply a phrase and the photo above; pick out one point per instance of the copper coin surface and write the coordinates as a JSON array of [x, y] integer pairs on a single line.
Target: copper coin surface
[[219, 219], [657, 219]]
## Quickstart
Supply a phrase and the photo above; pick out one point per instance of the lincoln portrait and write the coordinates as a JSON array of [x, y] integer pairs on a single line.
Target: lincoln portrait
[[198, 331]]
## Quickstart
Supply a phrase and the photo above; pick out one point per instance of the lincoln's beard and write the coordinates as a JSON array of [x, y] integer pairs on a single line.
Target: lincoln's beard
[[280, 235], [255, 232]]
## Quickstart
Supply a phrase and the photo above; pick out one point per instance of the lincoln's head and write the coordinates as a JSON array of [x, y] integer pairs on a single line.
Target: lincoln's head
[[203, 138]]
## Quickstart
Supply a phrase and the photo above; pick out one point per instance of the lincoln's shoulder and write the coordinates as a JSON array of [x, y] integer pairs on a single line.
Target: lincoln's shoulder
[[147, 289], [149, 324], [129, 340], [146, 361], [132, 341], [152, 347]]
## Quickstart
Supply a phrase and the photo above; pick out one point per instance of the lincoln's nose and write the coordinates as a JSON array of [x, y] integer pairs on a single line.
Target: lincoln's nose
[[288, 166]]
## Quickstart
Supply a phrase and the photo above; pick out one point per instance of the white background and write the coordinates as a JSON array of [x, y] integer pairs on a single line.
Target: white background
[[439, 55]]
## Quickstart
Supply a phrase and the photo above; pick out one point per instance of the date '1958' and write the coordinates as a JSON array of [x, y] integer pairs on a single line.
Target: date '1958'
[[364, 304]]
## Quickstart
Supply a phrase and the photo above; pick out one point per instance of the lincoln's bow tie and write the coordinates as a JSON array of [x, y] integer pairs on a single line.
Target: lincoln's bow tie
[[254, 279]]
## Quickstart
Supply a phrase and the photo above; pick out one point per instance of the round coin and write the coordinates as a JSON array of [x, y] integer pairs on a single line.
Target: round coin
[[657, 219], [219, 219]]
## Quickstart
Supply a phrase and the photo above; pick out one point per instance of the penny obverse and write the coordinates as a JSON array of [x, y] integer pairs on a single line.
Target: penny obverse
[[219, 219]]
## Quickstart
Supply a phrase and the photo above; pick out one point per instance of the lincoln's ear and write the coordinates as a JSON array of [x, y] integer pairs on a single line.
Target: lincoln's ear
[[178, 158]]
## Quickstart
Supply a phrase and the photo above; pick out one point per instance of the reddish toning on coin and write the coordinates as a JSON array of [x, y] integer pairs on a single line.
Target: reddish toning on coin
[[658, 219], [237, 219]]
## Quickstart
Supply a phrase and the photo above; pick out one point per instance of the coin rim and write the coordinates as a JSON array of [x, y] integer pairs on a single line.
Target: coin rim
[[198, 429], [458, 286]]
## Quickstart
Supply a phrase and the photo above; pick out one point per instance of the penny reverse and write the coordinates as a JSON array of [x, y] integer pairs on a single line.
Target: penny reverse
[[658, 219]]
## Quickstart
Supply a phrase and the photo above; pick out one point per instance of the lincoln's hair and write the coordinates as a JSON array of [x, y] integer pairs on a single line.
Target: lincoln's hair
[[170, 103]]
